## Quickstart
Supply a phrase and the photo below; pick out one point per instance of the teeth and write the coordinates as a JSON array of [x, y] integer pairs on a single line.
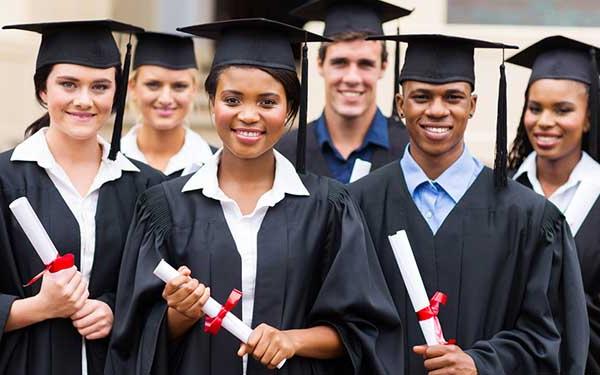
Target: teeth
[[547, 138], [246, 133], [351, 93], [437, 130]]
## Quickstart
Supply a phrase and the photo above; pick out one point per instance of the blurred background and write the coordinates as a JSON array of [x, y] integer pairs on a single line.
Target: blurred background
[[519, 22]]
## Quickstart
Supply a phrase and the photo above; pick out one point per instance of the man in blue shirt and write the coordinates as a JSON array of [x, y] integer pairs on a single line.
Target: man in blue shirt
[[503, 256], [352, 136]]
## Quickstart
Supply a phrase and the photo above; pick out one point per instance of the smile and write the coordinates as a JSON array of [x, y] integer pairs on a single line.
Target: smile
[[437, 130], [248, 136], [83, 116], [351, 94]]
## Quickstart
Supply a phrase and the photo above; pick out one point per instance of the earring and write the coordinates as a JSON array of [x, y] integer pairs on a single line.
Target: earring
[[402, 115], [470, 115]]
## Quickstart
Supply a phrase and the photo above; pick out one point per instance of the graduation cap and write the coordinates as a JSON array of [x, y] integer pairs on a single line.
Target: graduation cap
[[262, 43], [440, 59], [558, 57], [88, 43], [167, 50], [340, 16]]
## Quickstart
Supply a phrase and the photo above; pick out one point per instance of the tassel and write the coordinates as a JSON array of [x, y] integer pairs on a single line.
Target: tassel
[[594, 102], [115, 143], [301, 141], [395, 116], [500, 162]]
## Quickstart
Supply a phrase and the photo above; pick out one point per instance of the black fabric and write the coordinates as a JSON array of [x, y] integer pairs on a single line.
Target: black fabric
[[587, 240], [54, 346], [253, 41], [508, 264], [315, 265], [364, 16], [167, 50], [315, 162], [88, 43]]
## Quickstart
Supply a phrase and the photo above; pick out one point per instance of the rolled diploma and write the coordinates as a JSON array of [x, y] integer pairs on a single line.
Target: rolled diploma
[[34, 230], [414, 283], [231, 323]]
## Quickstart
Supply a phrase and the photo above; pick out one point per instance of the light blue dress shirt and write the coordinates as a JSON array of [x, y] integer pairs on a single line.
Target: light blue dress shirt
[[435, 199]]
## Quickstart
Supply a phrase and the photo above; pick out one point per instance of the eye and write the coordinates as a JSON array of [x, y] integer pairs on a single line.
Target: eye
[[152, 85], [564, 110], [180, 86], [268, 103], [68, 85], [419, 98], [100, 87], [454, 98], [533, 109], [231, 100]]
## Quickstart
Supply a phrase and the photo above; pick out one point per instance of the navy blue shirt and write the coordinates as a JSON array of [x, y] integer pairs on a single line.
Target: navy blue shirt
[[341, 169]]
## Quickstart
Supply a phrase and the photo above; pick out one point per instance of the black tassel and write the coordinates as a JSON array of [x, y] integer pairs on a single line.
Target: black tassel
[[301, 142], [395, 116], [500, 162], [594, 102], [115, 143]]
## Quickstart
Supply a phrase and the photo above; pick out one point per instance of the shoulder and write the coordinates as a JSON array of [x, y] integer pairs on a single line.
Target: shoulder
[[378, 180], [287, 143]]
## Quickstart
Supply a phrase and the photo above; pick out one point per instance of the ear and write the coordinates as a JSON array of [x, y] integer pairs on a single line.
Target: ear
[[586, 126], [384, 65], [400, 104], [44, 97], [320, 66], [473, 101]]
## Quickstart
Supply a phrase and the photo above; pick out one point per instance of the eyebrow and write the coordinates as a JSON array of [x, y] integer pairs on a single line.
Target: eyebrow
[[70, 78]]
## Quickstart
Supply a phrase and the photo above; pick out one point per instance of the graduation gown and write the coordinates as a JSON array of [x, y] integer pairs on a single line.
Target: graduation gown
[[315, 265], [54, 346], [315, 161], [506, 261], [587, 240]]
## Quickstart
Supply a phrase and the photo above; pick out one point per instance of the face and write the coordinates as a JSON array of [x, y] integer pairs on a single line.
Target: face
[[250, 109], [556, 117], [436, 116], [351, 70], [79, 99], [163, 96]]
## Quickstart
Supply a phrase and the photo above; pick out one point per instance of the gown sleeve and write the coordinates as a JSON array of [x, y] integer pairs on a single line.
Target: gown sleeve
[[139, 330], [550, 334], [354, 298]]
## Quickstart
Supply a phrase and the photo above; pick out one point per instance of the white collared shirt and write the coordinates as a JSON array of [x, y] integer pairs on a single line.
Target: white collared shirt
[[35, 149], [194, 152], [244, 228]]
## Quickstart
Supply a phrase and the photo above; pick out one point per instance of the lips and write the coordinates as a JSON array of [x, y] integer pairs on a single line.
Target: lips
[[81, 116], [436, 132], [546, 140], [164, 112], [248, 136]]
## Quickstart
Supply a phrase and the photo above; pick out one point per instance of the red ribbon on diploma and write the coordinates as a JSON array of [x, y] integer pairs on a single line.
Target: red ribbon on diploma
[[213, 325], [431, 312], [60, 263]]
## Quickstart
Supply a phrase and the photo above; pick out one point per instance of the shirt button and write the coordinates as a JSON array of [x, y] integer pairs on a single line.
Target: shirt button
[[428, 215]]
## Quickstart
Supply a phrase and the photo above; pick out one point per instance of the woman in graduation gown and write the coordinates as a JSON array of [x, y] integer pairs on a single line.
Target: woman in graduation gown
[[163, 86], [84, 197], [503, 255], [294, 244], [555, 152]]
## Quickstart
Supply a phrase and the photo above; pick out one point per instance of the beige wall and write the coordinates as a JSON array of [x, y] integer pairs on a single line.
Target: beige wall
[[17, 51]]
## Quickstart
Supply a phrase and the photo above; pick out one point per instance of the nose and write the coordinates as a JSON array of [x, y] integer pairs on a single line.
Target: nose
[[165, 97], [248, 115], [83, 100], [351, 76], [546, 119], [437, 109]]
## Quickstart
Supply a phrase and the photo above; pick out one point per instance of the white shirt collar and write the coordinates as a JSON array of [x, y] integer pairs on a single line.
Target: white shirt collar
[[195, 150], [587, 170], [286, 181], [35, 149]]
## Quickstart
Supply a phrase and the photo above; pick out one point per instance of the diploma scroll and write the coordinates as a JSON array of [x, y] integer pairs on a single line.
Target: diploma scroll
[[231, 323], [39, 238], [425, 309]]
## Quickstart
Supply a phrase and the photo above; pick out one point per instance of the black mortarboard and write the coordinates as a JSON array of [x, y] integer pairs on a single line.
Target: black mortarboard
[[263, 43], [167, 50], [440, 59], [88, 43], [365, 16], [558, 57]]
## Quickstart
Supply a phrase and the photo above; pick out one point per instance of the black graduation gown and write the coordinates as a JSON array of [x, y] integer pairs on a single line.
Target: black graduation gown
[[316, 265], [54, 346], [315, 161], [587, 240], [506, 261]]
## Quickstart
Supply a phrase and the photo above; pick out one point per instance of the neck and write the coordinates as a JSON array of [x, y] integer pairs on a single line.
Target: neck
[[252, 173], [66, 149], [348, 134], [434, 166], [552, 174], [155, 142]]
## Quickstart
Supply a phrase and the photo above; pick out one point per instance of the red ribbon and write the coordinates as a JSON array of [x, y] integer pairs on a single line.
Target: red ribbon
[[213, 325], [431, 312], [60, 263]]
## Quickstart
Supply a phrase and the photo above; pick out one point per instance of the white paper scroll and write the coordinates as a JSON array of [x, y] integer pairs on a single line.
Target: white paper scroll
[[361, 169], [34, 230], [414, 285], [231, 323]]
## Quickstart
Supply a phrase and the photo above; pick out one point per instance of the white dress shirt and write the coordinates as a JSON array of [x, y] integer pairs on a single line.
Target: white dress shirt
[[194, 152], [35, 149], [576, 196], [244, 228]]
